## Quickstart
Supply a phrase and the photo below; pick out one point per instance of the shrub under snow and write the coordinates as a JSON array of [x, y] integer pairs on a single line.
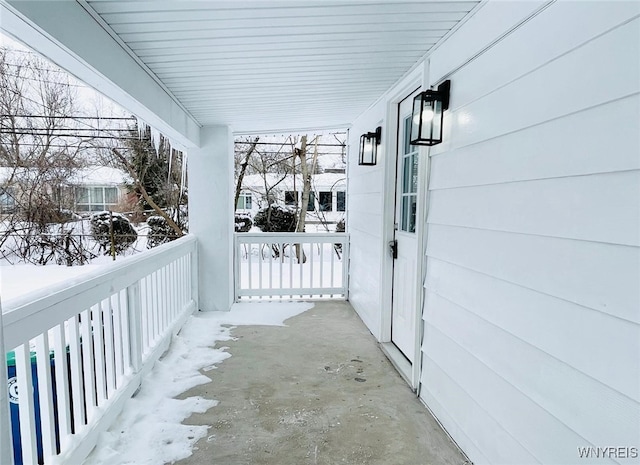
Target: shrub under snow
[[280, 219], [243, 222], [159, 231], [123, 232]]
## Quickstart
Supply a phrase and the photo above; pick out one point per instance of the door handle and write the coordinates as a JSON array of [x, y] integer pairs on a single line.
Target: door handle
[[393, 249]]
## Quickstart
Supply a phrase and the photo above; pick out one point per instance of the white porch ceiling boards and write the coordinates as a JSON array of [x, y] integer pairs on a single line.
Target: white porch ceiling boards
[[272, 65]]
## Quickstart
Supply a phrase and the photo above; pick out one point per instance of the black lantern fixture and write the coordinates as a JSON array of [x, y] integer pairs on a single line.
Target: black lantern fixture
[[428, 113], [369, 143]]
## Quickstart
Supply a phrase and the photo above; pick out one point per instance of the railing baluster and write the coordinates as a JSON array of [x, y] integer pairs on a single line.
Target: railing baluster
[[88, 363], [109, 351], [271, 252], [171, 275], [135, 335], [118, 339], [322, 247], [291, 252], [98, 350], [332, 270], [25, 403], [260, 260], [344, 282], [62, 383], [311, 254], [249, 266], [162, 311], [126, 336], [75, 367], [145, 294], [45, 394]]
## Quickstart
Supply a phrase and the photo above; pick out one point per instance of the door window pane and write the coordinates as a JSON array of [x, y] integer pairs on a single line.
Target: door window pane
[[414, 173], [412, 213], [407, 135]]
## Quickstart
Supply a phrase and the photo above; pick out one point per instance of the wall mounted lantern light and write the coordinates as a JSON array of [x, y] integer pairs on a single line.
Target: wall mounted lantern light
[[428, 110], [369, 143]]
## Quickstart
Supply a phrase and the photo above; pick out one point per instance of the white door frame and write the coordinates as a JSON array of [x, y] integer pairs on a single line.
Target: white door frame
[[412, 82]]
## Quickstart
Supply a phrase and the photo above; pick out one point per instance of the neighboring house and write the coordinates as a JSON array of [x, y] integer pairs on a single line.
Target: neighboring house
[[327, 199], [91, 189], [98, 188]]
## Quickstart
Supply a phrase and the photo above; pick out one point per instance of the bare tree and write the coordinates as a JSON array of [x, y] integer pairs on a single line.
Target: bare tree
[[156, 174], [39, 151], [242, 158]]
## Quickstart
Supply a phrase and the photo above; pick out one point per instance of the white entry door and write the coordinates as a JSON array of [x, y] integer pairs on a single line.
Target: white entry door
[[405, 264]]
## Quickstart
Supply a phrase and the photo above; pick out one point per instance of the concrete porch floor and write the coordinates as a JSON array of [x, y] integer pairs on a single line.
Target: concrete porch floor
[[318, 391]]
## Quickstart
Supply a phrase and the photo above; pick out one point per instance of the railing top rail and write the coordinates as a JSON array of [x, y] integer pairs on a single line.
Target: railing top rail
[[100, 283], [293, 235]]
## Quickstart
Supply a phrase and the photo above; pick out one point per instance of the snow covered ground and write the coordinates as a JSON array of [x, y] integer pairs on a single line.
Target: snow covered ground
[[18, 281], [149, 431]]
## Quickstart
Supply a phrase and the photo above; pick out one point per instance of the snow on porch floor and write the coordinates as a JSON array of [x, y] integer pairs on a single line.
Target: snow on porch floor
[[316, 391]]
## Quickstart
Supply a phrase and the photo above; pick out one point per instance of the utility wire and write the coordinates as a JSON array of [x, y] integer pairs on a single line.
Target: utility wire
[[131, 118]]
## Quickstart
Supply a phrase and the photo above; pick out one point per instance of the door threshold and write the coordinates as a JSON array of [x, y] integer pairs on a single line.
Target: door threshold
[[398, 360]]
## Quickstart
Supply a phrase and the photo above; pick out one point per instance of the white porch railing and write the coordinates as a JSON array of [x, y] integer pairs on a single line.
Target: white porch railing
[[291, 265], [92, 342]]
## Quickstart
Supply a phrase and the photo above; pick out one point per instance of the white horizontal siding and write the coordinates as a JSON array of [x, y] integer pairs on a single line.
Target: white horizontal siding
[[529, 49], [580, 79], [611, 417], [544, 322], [532, 313], [530, 426], [599, 276], [463, 414], [556, 148], [597, 207]]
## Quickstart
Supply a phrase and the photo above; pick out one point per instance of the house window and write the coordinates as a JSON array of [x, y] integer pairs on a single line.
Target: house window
[[95, 199], [325, 201], [7, 201], [244, 201], [340, 201], [291, 198], [311, 206]]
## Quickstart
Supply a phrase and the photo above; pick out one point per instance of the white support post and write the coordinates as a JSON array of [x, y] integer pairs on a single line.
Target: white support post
[[135, 326], [5, 425], [211, 216]]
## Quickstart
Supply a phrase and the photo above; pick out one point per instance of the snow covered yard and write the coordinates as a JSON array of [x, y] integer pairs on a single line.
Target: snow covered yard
[[149, 430], [22, 281]]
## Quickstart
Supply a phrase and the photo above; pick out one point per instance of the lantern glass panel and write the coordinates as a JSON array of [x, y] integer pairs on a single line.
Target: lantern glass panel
[[368, 149], [415, 118], [436, 125]]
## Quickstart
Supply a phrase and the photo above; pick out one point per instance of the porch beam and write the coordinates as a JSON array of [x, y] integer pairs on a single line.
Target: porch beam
[[211, 215], [69, 35]]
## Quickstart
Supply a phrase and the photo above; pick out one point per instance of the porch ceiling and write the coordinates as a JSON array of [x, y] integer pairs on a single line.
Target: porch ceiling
[[270, 65]]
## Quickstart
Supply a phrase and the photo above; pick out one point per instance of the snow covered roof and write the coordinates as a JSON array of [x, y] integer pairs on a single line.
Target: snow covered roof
[[323, 181], [100, 175], [91, 176]]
